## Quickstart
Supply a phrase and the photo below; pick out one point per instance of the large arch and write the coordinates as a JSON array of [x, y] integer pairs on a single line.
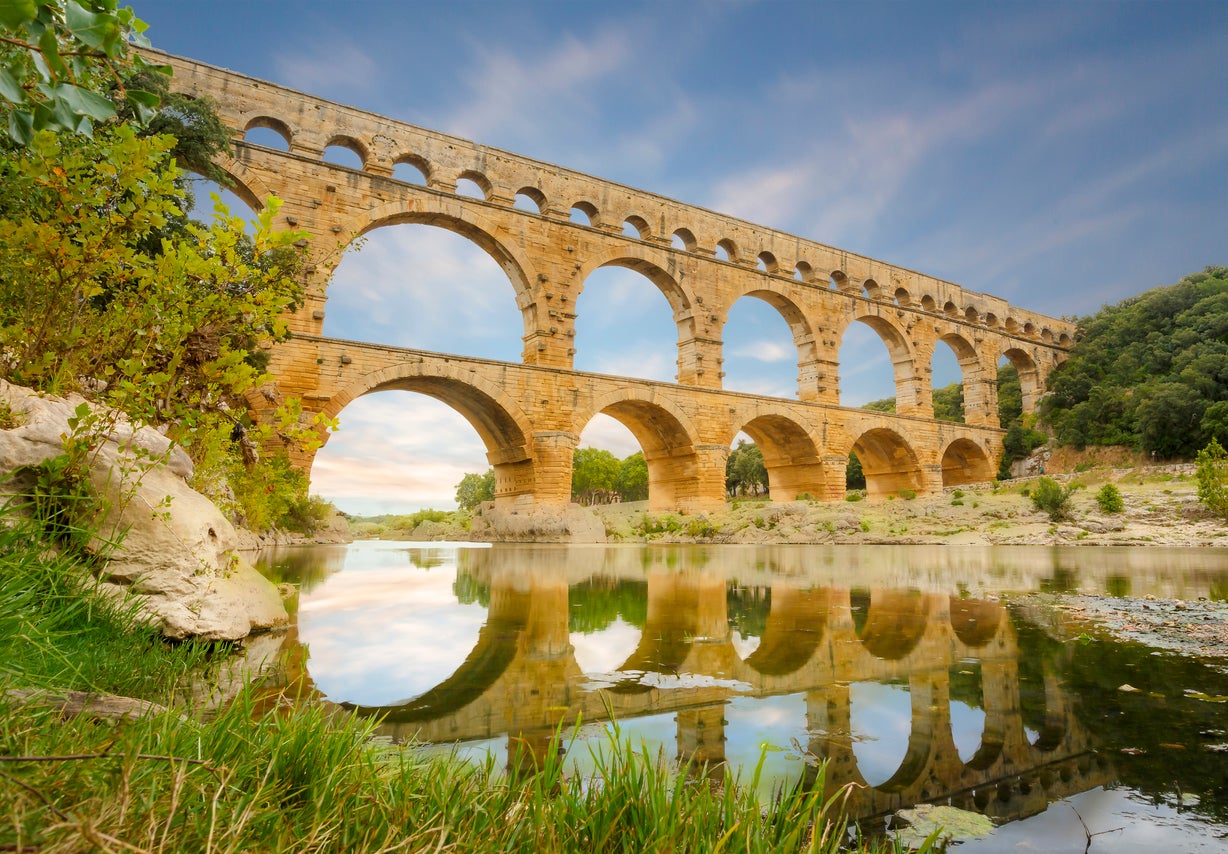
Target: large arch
[[793, 461], [800, 330], [888, 462], [458, 219], [903, 362], [796, 625], [963, 461], [1030, 383], [504, 429], [665, 436]]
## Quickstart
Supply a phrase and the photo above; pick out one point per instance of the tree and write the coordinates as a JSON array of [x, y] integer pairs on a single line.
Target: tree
[[474, 489], [745, 472], [632, 479], [592, 470], [1212, 476], [854, 476]]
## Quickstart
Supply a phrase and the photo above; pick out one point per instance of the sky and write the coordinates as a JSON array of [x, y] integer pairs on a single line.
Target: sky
[[1062, 156]]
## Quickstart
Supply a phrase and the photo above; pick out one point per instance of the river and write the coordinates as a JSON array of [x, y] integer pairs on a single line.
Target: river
[[909, 670]]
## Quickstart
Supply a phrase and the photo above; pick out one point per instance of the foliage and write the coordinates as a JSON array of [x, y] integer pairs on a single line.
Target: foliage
[[64, 64], [1211, 475], [1109, 499], [887, 404], [745, 472], [1018, 443], [473, 489], [592, 470], [1050, 497], [854, 477], [631, 482], [1148, 371], [271, 494], [949, 403], [1010, 395]]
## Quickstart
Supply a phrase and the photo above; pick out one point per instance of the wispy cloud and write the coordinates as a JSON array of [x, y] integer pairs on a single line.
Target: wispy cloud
[[327, 66]]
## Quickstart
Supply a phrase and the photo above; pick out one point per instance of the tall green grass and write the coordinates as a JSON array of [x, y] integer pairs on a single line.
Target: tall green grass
[[302, 778]]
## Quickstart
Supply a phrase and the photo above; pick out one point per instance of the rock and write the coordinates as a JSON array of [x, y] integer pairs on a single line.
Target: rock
[[530, 523], [177, 553]]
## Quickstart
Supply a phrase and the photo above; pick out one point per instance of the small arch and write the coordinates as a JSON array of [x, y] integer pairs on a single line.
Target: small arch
[[584, 213], [950, 309], [888, 462], [975, 621], [965, 462], [871, 289], [470, 179], [727, 250], [991, 320], [636, 226], [276, 133], [411, 169], [1029, 329], [903, 297], [803, 272], [927, 303], [344, 151], [1046, 335], [838, 281], [1012, 325], [767, 262], [796, 623], [1030, 386], [529, 199], [1063, 340], [895, 621], [682, 238], [972, 315]]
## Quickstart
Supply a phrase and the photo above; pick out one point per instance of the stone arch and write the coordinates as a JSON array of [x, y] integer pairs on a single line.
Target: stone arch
[[248, 186], [534, 195], [589, 210], [950, 309], [871, 290], [972, 315], [634, 258], [687, 238], [798, 322], [963, 461], [270, 123], [500, 423], [769, 262], [974, 391], [793, 461], [803, 272], [889, 463], [666, 437], [1030, 383], [796, 625], [642, 229], [445, 213], [927, 303], [903, 362], [417, 162], [349, 143], [975, 621], [731, 249], [903, 297], [480, 181], [840, 282]]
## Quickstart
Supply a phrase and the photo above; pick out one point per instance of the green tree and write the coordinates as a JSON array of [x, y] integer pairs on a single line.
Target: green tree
[[949, 403], [1050, 497], [592, 470], [473, 489], [1109, 499], [1212, 476], [632, 479], [745, 472], [854, 477]]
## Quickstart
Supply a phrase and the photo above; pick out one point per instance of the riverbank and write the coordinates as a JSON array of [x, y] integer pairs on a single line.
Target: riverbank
[[1160, 508]]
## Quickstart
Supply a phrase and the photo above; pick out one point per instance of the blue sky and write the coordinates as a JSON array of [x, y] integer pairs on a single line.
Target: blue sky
[[1060, 155]]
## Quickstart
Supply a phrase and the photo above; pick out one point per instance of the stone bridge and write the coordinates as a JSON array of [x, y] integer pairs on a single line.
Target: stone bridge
[[549, 228], [522, 680]]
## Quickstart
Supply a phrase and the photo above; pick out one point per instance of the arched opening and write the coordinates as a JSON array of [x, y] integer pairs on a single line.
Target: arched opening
[[608, 465], [871, 289], [894, 621], [875, 366], [469, 188], [268, 132], [529, 199], [803, 272], [903, 297], [584, 213], [605, 620], [974, 743], [965, 462], [683, 239], [767, 263], [767, 342], [343, 151], [411, 169], [792, 461], [427, 287], [668, 451], [947, 375], [203, 190], [722, 251], [625, 322], [1027, 375], [636, 227], [840, 282], [795, 626], [888, 463], [975, 621], [746, 474]]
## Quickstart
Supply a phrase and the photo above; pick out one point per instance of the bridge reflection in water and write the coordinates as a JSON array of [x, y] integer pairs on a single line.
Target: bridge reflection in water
[[815, 643]]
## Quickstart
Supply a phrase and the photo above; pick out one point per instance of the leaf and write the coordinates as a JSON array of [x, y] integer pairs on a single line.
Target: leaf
[[21, 126], [14, 13], [10, 89], [96, 30], [84, 102], [928, 823]]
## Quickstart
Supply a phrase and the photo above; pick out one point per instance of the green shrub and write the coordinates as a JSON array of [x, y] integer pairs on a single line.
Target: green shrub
[[908, 494], [854, 496], [1050, 497], [1110, 500], [1212, 477]]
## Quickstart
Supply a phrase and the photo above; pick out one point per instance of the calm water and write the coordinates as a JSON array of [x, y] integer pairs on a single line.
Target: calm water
[[900, 666]]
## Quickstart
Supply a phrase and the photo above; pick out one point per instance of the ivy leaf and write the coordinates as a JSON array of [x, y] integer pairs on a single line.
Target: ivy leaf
[[14, 13]]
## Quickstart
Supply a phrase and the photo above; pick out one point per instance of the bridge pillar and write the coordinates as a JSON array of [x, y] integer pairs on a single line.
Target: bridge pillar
[[699, 362], [701, 737], [914, 383], [835, 477], [553, 451], [981, 401], [826, 381]]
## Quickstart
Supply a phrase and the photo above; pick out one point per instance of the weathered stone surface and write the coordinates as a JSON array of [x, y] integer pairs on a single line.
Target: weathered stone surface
[[177, 552], [565, 523]]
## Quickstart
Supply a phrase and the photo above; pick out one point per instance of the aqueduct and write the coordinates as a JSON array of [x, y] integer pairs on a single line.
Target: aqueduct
[[530, 414]]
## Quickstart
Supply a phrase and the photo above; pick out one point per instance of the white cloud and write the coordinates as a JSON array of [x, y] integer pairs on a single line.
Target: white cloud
[[767, 351], [327, 66]]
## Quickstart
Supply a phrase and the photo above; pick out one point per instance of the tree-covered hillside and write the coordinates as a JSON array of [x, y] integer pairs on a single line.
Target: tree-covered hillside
[[1150, 371]]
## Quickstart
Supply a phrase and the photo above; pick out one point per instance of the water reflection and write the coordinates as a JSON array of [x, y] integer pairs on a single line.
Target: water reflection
[[896, 666]]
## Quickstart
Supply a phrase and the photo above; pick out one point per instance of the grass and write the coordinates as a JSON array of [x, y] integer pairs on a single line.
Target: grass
[[263, 775]]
